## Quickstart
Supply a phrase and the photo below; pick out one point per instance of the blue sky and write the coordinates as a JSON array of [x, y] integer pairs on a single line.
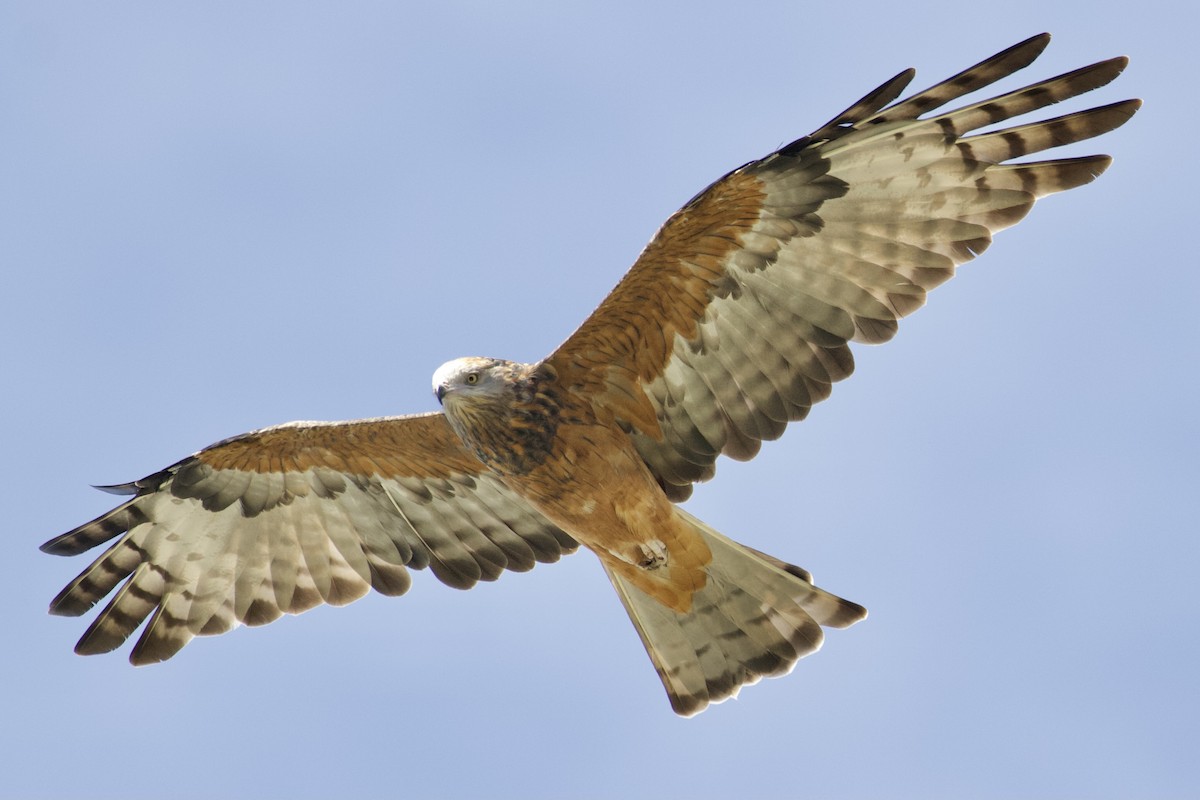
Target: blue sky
[[219, 216]]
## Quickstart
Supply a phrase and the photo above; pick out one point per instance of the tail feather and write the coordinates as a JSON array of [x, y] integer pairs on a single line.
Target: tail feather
[[755, 617]]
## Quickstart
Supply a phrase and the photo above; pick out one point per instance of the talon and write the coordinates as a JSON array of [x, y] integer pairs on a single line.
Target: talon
[[654, 554]]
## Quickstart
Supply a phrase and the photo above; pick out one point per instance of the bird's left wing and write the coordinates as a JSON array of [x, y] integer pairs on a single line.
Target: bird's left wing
[[737, 316], [286, 518]]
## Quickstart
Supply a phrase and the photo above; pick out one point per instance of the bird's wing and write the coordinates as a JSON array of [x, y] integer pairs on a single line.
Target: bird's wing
[[286, 518], [736, 318]]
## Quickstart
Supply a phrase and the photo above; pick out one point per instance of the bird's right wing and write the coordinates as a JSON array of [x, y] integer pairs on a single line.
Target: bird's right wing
[[286, 518]]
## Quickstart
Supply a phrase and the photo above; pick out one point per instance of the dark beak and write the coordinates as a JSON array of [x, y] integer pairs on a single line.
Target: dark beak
[[440, 392]]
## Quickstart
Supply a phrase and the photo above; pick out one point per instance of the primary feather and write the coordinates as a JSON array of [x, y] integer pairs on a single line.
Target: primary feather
[[735, 320]]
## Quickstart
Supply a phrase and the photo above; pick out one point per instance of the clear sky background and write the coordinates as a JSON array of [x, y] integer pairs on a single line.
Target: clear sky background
[[220, 216]]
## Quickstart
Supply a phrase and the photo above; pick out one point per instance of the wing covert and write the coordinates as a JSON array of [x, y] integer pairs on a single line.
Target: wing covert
[[286, 518], [737, 317]]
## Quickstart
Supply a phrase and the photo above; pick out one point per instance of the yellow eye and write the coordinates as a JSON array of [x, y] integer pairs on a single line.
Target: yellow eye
[[472, 378]]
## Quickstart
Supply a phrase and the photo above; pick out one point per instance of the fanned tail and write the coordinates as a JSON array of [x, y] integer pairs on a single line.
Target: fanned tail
[[755, 617]]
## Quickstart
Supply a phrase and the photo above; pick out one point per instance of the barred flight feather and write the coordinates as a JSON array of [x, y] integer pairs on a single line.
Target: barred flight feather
[[735, 320], [203, 548], [857, 222]]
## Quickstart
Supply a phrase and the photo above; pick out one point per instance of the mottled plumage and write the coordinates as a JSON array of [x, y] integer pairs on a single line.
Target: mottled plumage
[[733, 322]]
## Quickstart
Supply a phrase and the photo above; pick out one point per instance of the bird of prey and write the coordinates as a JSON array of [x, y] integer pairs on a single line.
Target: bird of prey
[[734, 320]]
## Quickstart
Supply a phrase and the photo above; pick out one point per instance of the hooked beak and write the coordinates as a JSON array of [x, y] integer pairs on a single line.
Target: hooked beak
[[440, 392]]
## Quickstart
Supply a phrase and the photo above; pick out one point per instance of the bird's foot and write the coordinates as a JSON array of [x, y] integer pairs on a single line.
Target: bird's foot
[[653, 554]]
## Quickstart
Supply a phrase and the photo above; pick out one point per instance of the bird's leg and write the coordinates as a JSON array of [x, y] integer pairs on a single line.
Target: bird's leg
[[653, 554]]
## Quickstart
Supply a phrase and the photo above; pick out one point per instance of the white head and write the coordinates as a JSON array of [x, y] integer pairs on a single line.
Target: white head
[[497, 411], [472, 376]]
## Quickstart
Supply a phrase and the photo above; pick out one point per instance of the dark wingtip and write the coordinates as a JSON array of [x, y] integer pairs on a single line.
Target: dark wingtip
[[118, 488], [62, 545]]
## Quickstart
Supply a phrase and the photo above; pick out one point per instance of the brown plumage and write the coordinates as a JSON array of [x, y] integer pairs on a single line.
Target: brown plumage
[[732, 323]]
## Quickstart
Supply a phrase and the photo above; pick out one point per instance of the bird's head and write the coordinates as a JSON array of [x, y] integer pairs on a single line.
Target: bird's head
[[471, 377]]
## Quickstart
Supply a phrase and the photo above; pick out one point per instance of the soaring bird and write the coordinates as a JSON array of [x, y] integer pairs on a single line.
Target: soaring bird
[[734, 320]]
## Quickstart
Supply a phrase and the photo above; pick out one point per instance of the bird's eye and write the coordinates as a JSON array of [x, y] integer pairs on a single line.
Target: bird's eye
[[472, 378]]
